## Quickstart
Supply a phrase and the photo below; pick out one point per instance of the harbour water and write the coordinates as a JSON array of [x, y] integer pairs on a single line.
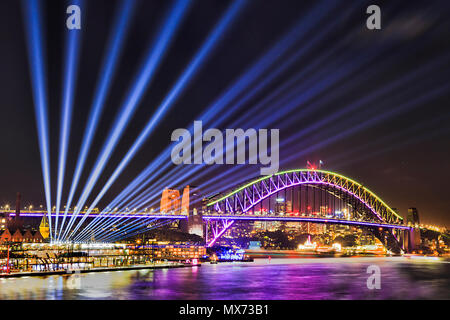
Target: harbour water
[[315, 278]]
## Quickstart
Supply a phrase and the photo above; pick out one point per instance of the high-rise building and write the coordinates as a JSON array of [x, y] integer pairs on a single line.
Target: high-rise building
[[280, 205], [288, 206]]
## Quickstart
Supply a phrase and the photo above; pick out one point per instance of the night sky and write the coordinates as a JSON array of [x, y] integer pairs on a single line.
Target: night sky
[[373, 105]]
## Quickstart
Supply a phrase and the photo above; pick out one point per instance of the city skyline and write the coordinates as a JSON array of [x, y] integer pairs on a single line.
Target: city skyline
[[372, 105], [230, 153]]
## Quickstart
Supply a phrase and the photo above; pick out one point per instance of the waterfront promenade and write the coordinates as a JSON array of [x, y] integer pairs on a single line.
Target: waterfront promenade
[[161, 265]]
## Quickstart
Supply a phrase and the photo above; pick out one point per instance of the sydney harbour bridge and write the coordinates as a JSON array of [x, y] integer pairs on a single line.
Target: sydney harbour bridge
[[302, 195]]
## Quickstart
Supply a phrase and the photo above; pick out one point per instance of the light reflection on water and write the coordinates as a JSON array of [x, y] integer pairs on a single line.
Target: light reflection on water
[[323, 278]]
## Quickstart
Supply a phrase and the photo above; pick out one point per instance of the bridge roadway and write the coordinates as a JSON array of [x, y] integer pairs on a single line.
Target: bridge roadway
[[212, 216]]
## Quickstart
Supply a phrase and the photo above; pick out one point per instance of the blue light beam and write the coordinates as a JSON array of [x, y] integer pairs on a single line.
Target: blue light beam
[[134, 96], [33, 31], [183, 81], [70, 76], [251, 75], [109, 67]]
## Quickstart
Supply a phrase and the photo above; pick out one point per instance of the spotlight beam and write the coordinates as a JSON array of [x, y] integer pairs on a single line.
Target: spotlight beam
[[70, 78], [250, 76], [384, 91], [180, 86], [138, 231], [406, 137], [402, 107], [131, 231], [312, 89], [128, 228], [139, 202], [441, 91], [33, 31], [108, 70], [134, 187], [134, 96], [281, 114]]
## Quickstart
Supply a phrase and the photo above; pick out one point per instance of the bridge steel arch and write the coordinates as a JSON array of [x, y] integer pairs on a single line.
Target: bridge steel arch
[[244, 198]]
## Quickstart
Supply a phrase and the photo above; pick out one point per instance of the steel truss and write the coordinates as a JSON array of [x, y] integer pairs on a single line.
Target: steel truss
[[241, 200]]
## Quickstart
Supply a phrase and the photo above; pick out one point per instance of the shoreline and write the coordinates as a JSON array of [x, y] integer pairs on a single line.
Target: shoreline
[[74, 271]]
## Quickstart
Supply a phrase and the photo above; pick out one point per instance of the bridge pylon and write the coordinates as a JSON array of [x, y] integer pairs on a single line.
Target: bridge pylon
[[191, 205], [411, 240]]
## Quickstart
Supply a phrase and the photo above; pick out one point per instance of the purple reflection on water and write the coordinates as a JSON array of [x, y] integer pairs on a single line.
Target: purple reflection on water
[[312, 279], [320, 278]]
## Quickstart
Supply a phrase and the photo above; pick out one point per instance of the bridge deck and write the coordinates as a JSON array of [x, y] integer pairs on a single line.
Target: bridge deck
[[225, 217]]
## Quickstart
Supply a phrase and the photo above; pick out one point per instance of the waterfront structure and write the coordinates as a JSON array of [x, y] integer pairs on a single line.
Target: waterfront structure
[[53, 257], [317, 197], [17, 235], [44, 228], [310, 189], [170, 201], [5, 235], [14, 230], [177, 251]]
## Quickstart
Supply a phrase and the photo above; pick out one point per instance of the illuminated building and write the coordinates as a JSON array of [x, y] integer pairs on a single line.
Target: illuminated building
[[324, 210], [280, 205], [241, 229], [367, 238], [170, 201], [292, 226], [5, 235], [44, 228], [166, 251], [288, 206], [311, 228], [185, 201], [17, 235]]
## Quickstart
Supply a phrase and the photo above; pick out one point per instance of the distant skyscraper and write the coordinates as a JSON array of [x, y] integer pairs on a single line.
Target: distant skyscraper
[[280, 205], [288, 206]]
